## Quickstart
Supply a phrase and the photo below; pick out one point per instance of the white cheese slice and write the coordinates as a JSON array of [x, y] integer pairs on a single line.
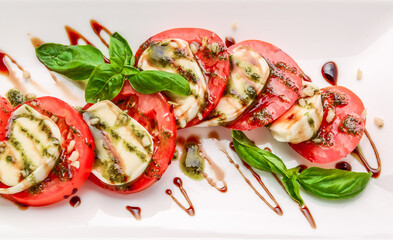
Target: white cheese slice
[[175, 56], [31, 152], [249, 72], [302, 120], [124, 148]]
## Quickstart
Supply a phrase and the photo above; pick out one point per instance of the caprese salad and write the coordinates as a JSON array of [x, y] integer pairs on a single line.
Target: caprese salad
[[125, 137]]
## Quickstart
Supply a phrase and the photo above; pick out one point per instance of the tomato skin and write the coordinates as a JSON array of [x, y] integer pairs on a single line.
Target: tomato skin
[[216, 69], [155, 114], [337, 142], [5, 114], [281, 90], [53, 189]]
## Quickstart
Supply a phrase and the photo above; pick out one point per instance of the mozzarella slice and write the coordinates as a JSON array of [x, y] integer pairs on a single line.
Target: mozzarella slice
[[249, 72], [302, 120], [124, 148], [31, 152], [175, 56]]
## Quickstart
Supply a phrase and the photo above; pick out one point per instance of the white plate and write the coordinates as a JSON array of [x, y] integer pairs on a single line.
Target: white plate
[[353, 34]]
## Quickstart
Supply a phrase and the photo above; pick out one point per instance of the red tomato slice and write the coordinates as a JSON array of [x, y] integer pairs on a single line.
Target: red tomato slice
[[281, 90], [64, 180], [339, 138], [153, 113], [214, 66]]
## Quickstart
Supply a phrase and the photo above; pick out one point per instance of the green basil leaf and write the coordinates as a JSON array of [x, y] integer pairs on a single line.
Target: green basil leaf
[[256, 157], [74, 62], [333, 183], [129, 70], [104, 84], [292, 188], [151, 81], [120, 53]]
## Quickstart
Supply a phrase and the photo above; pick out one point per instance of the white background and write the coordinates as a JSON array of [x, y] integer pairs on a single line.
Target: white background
[[353, 34]]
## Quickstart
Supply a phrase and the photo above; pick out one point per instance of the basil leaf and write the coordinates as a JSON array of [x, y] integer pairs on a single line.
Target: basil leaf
[[256, 157], [104, 84], [151, 81], [292, 188], [74, 62], [129, 70], [333, 183], [120, 53]]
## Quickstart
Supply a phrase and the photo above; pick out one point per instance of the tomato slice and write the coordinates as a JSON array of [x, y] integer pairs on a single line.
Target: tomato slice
[[65, 179], [281, 90], [156, 116], [215, 67], [340, 137]]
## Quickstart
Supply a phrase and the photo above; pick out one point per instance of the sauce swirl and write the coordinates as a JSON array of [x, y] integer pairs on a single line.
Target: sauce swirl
[[135, 211], [179, 183]]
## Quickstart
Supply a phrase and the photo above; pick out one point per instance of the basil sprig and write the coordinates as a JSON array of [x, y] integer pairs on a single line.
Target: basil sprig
[[323, 183], [105, 80]]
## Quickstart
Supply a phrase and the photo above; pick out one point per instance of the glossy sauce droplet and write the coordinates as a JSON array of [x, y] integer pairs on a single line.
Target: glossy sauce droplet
[[75, 201], [302, 168], [344, 166], [74, 36], [229, 41], [179, 183], [330, 72], [305, 77], [135, 211]]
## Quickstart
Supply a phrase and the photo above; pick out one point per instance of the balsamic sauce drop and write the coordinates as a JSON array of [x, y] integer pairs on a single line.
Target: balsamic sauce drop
[[229, 41], [330, 72], [75, 201], [135, 211], [344, 166], [179, 183]]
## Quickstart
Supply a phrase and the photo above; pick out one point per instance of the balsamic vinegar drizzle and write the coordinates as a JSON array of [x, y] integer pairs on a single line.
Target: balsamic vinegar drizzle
[[218, 172], [97, 28], [6, 70], [179, 183], [375, 171], [135, 211], [74, 36], [277, 209], [344, 166], [229, 41], [304, 209]]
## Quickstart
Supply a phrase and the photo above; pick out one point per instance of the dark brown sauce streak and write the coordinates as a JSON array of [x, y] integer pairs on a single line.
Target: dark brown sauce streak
[[97, 28], [330, 72], [304, 209], [375, 171], [75, 201], [277, 209], [179, 183], [214, 135], [6, 70], [74, 36], [218, 172], [135, 211], [21, 206]]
